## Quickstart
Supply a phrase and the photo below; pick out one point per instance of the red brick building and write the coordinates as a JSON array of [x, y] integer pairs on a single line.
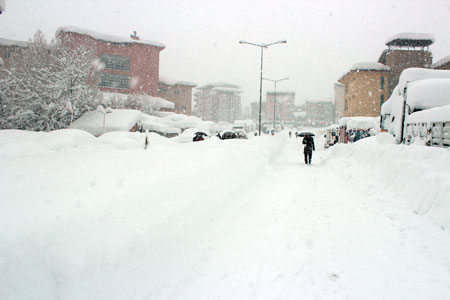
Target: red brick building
[[130, 65]]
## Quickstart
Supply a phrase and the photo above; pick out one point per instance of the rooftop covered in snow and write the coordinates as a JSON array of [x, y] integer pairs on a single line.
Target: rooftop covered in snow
[[10, 43], [324, 100], [411, 39], [369, 66], [108, 37], [170, 81], [117, 120], [366, 66], [428, 93], [281, 93], [220, 85], [360, 122], [441, 62], [146, 100]]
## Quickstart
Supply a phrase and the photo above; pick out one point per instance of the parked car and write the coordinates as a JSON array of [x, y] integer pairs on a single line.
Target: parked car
[[241, 134], [226, 135]]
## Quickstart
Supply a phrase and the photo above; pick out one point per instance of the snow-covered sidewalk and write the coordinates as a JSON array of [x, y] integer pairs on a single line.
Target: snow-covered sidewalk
[[230, 219]]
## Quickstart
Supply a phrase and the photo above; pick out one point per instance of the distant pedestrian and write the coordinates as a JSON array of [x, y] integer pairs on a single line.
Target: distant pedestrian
[[308, 141], [290, 134]]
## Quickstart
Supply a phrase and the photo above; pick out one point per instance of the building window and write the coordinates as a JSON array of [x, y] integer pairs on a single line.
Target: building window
[[382, 82], [381, 100], [115, 81], [115, 62], [176, 92]]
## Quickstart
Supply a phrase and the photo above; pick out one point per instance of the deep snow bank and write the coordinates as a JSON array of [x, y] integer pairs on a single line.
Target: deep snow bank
[[98, 223], [418, 176]]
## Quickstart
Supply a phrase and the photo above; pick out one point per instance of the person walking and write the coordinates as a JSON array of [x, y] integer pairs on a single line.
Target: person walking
[[308, 141]]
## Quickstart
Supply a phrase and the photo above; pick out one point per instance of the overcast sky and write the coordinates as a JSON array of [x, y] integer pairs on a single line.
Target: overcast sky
[[324, 37]]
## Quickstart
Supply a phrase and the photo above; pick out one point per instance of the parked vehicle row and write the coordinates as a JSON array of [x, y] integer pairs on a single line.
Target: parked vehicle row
[[224, 135]]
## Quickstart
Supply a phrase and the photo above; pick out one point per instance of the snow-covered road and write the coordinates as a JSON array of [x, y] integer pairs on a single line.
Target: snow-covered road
[[217, 220], [304, 232]]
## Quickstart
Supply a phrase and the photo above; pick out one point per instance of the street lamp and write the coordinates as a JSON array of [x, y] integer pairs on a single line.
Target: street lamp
[[104, 111], [275, 97], [69, 108], [262, 46]]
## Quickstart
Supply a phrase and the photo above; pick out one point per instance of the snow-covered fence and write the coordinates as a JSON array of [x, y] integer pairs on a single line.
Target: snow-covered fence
[[431, 126], [440, 134], [431, 134]]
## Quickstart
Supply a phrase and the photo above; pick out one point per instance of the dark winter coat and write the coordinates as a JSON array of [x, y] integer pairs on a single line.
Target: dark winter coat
[[309, 144]]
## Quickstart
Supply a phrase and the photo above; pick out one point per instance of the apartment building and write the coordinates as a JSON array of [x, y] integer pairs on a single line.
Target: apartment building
[[178, 92], [130, 65], [280, 104], [339, 90], [366, 88], [218, 102]]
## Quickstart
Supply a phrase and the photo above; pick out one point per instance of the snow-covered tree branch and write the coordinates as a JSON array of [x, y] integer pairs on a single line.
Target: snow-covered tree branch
[[41, 80]]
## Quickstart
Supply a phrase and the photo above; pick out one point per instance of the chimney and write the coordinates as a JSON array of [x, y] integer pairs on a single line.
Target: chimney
[[134, 36]]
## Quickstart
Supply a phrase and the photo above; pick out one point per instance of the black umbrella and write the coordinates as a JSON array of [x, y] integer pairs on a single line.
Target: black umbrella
[[306, 133]]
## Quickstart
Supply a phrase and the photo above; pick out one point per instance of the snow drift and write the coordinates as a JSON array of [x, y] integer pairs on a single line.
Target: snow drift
[[418, 177]]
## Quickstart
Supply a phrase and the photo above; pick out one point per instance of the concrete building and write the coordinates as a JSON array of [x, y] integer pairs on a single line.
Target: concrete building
[[442, 64], [406, 50], [218, 102], [254, 111], [10, 49], [366, 87], [131, 65], [284, 106], [178, 92], [339, 89], [319, 112]]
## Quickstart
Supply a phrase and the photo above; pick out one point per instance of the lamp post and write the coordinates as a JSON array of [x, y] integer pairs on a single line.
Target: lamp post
[[104, 111], [275, 97], [69, 108], [262, 46]]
